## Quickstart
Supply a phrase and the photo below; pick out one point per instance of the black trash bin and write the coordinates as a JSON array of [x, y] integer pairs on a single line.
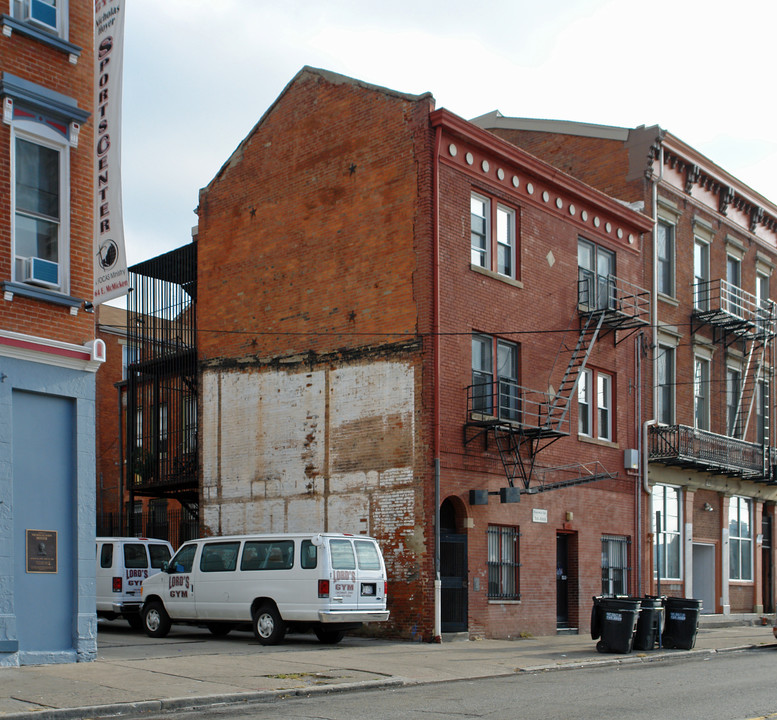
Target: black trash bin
[[649, 624], [681, 621], [614, 620]]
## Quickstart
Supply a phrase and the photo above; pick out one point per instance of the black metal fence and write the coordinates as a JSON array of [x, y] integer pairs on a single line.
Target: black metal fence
[[176, 526]]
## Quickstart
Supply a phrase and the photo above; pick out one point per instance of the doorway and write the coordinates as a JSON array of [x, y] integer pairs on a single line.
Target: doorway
[[704, 576], [562, 582], [453, 572]]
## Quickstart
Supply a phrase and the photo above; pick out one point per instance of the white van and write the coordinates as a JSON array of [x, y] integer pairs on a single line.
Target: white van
[[327, 582], [122, 565]]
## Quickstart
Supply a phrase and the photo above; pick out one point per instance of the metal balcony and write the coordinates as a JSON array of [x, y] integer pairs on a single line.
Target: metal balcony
[[688, 447], [625, 306], [504, 403], [722, 305]]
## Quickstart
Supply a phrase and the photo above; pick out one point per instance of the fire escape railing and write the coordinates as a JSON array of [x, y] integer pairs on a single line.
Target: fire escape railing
[[689, 447]]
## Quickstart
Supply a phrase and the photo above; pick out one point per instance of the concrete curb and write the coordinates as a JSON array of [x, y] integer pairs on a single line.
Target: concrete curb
[[170, 705]]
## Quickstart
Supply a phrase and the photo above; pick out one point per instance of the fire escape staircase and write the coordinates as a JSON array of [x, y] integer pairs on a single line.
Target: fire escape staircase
[[751, 377], [518, 443]]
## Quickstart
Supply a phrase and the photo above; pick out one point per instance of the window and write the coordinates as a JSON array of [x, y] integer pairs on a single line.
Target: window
[[161, 416], [503, 566], [733, 290], [666, 545], [761, 411], [129, 355], [601, 425], [740, 539], [701, 388], [135, 556], [183, 561], [483, 391], [189, 424], [308, 555], [342, 555], [106, 556], [763, 304], [665, 258], [596, 275], [615, 565], [40, 176], [701, 275], [733, 391], [160, 554], [367, 555], [47, 15], [665, 385], [604, 406], [486, 244], [139, 427], [268, 555], [219, 557]]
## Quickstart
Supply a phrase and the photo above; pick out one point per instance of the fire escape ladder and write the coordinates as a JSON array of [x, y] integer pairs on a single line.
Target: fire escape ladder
[[508, 443], [751, 376], [559, 406]]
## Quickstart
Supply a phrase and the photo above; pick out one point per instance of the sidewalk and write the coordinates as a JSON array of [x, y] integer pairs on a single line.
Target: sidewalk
[[191, 669]]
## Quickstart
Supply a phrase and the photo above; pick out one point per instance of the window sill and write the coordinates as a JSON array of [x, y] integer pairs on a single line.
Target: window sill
[[494, 601], [496, 276], [37, 293], [597, 441], [741, 583], [46, 38], [668, 299]]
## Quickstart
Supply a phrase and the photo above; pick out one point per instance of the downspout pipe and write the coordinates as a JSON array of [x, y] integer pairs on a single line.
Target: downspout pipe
[[437, 637]]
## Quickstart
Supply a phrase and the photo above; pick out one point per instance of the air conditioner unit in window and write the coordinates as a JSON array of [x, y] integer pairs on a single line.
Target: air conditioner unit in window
[[42, 13], [41, 272]]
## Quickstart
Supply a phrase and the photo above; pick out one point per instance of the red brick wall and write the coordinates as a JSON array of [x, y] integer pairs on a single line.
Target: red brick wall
[[34, 61]]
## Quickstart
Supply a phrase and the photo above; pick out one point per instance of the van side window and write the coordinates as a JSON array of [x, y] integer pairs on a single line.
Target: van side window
[[135, 556], [308, 555], [106, 555], [342, 555], [183, 560], [268, 555], [219, 557], [159, 554], [367, 554]]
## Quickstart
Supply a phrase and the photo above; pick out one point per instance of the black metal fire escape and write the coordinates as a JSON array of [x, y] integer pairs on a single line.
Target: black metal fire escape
[[535, 419]]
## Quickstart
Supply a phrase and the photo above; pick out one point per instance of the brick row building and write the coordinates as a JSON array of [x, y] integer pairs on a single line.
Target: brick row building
[[710, 461]]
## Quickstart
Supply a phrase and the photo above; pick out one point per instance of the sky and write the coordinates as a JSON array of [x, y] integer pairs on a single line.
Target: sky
[[199, 74]]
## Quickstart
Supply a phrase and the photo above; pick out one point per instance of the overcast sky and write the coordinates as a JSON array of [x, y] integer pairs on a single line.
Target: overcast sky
[[198, 74]]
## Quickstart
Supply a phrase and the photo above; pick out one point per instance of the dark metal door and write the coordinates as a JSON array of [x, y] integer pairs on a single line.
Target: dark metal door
[[453, 580], [562, 581]]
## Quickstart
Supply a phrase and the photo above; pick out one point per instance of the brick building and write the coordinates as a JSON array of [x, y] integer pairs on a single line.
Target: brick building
[[48, 351], [709, 263], [410, 328]]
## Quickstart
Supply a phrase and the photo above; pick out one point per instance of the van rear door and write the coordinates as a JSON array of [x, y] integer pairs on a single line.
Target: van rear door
[[371, 577], [343, 593]]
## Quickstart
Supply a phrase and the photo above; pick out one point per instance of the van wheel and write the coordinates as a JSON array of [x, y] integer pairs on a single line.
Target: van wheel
[[135, 622], [269, 627], [329, 637], [219, 629], [156, 621]]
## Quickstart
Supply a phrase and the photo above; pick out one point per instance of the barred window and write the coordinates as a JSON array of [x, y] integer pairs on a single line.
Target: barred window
[[503, 565], [615, 565]]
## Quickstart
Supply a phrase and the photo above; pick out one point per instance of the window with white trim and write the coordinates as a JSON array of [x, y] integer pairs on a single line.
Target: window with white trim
[[40, 183], [189, 423], [701, 274], [493, 236], [503, 565], [701, 393], [740, 539], [599, 425], [666, 535], [47, 15], [615, 565], [733, 392], [733, 290], [500, 398], [761, 411], [665, 385], [665, 258]]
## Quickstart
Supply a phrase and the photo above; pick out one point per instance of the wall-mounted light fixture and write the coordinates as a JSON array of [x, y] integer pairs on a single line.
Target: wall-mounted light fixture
[[708, 507]]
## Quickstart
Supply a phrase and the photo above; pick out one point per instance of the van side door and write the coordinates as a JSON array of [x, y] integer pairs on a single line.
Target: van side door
[[216, 580]]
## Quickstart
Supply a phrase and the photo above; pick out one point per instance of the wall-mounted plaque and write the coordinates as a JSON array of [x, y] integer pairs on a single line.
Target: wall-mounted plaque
[[41, 551]]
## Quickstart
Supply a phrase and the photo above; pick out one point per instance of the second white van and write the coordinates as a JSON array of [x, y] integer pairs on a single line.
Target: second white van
[[327, 582]]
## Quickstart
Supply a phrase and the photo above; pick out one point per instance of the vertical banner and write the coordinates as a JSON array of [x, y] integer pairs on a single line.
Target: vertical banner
[[110, 261]]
